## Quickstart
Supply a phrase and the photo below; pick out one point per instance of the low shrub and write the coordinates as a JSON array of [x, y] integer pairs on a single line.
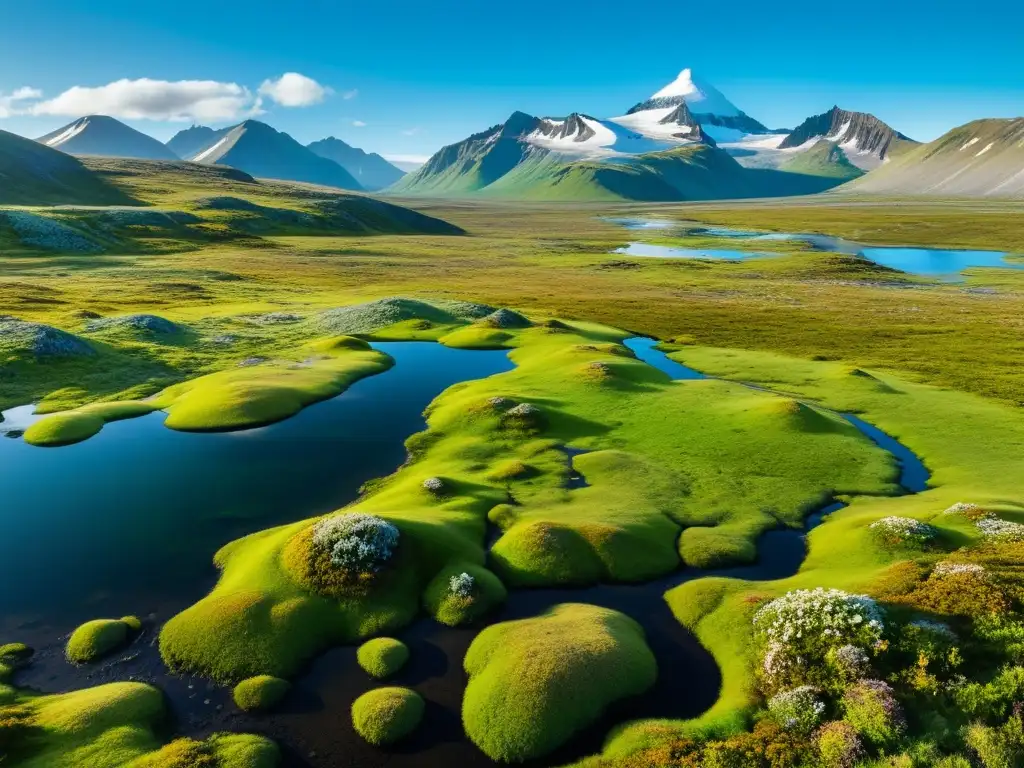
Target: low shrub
[[463, 593], [260, 693], [796, 632], [356, 542], [799, 709], [871, 708], [839, 745], [382, 657], [904, 532]]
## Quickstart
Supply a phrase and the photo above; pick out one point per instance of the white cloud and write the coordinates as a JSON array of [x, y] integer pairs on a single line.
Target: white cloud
[[347, 95], [9, 102], [294, 90], [410, 131], [358, 124], [147, 99]]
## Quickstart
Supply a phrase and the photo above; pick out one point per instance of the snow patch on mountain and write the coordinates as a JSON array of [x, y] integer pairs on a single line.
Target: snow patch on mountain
[[702, 98], [585, 137], [72, 131]]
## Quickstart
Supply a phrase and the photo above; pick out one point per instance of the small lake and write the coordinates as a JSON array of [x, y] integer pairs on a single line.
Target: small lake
[[130, 518], [943, 263], [669, 252]]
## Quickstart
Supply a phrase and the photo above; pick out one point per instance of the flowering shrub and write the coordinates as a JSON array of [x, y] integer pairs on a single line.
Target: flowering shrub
[[796, 632], [946, 568], [434, 485], [356, 542], [849, 662], [461, 585], [970, 511], [903, 531], [839, 746], [995, 528], [871, 708], [524, 411], [799, 709]]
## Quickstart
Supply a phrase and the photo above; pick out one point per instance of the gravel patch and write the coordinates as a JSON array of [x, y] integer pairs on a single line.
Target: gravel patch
[[48, 234]]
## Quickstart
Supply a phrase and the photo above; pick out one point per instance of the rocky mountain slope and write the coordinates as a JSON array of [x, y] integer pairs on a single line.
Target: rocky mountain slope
[[105, 136], [865, 139], [984, 158], [368, 168], [261, 151], [191, 141], [34, 174]]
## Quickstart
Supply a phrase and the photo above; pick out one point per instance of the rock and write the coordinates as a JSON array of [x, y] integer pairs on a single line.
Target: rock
[[144, 323], [506, 318], [42, 340]]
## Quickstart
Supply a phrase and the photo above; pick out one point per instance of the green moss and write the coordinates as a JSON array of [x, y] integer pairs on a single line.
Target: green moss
[[382, 657], [535, 682], [116, 726], [97, 638], [233, 399], [456, 610], [14, 652], [386, 715], [82, 423], [260, 693]]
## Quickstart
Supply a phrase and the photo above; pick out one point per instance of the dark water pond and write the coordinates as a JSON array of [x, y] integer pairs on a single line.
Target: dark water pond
[[131, 517], [947, 264], [128, 521]]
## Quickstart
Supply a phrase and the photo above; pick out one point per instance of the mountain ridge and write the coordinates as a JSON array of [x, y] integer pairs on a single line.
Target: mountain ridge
[[105, 136]]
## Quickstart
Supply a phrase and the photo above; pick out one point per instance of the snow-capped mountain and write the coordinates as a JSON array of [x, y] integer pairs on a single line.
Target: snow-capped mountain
[[865, 139], [102, 135], [719, 118]]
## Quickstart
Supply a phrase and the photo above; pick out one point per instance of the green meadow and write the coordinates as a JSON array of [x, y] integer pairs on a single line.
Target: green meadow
[[228, 316]]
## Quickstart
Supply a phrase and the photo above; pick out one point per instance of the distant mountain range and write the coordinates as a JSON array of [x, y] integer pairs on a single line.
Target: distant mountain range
[[371, 170], [251, 146], [685, 142]]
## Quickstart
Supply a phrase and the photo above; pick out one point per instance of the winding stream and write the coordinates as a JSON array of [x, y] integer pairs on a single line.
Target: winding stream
[[177, 497]]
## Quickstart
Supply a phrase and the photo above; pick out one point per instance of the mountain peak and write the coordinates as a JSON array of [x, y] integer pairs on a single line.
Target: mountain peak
[[682, 86], [107, 136]]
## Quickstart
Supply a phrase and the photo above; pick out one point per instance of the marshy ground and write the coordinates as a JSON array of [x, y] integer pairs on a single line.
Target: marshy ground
[[659, 537]]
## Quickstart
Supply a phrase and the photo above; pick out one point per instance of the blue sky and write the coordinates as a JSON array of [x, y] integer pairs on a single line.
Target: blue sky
[[406, 76]]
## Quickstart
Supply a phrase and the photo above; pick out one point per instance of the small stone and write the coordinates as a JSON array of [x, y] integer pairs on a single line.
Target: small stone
[[434, 484]]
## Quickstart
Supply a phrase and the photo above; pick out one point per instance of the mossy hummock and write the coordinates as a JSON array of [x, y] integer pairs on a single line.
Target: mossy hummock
[[533, 683], [382, 657], [260, 693], [95, 639], [386, 715]]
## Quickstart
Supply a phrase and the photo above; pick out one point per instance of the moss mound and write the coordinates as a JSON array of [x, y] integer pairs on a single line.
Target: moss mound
[[382, 657], [97, 638], [535, 682], [260, 693], [374, 315], [386, 715], [14, 652], [67, 427], [506, 318], [18, 337], [454, 605]]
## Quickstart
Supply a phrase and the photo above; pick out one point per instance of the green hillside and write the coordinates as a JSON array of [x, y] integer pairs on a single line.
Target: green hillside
[[984, 158], [33, 174], [825, 159], [696, 172]]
